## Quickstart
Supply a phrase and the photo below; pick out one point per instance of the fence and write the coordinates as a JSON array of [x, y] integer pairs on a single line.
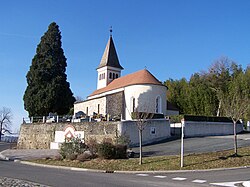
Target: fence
[[48, 119]]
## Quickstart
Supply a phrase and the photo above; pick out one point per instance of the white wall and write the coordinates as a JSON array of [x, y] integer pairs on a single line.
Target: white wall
[[92, 106], [145, 98], [161, 128], [194, 128], [101, 83]]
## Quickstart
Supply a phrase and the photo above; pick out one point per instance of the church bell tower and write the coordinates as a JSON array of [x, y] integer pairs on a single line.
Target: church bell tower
[[109, 67]]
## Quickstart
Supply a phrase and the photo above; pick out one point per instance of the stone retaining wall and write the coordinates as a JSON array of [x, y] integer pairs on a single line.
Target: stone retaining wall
[[39, 135]]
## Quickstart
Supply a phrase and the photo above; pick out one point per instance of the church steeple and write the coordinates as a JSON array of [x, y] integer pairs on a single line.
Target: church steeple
[[109, 67], [109, 57]]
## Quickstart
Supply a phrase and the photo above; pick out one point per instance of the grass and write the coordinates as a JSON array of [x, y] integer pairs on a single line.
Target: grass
[[221, 159]]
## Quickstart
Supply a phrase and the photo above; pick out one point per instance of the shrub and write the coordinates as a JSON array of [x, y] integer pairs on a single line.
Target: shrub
[[84, 156], [92, 145], [74, 146], [58, 157], [106, 150], [123, 139], [107, 140], [72, 156], [121, 151]]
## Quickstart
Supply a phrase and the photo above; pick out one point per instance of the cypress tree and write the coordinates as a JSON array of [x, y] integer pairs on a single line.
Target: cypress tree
[[48, 89]]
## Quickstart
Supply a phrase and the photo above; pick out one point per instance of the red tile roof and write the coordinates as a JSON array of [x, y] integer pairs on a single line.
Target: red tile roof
[[139, 77]]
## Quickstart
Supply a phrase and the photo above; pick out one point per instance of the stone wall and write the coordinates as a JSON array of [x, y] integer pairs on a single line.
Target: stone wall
[[115, 104], [39, 135]]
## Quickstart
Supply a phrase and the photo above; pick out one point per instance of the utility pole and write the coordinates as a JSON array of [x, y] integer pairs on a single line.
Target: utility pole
[[182, 142]]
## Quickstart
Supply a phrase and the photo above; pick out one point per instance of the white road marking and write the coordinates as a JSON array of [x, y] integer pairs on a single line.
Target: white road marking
[[160, 176], [179, 179], [142, 175], [199, 181], [228, 184], [246, 184]]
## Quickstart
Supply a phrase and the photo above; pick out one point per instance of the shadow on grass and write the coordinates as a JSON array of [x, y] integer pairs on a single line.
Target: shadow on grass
[[220, 158], [162, 160]]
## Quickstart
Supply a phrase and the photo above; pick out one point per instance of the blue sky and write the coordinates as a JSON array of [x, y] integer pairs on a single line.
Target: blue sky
[[173, 39]]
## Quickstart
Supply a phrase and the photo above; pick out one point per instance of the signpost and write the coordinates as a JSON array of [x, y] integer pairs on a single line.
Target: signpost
[[182, 142]]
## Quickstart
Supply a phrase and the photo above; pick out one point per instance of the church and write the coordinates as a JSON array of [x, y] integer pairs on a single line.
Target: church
[[117, 96]]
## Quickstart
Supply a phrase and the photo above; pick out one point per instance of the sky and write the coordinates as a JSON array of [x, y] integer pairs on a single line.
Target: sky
[[171, 38]]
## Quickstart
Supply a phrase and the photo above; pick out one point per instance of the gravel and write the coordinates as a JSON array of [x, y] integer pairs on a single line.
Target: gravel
[[6, 182]]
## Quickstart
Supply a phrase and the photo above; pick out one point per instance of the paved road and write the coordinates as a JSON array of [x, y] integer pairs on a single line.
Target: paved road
[[65, 178], [192, 145], [4, 145], [195, 145]]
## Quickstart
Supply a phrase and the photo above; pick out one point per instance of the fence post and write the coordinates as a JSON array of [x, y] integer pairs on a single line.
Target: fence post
[[43, 119], [31, 120], [57, 119]]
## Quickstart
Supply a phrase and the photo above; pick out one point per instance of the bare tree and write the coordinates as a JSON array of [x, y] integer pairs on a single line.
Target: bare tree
[[141, 121], [5, 120]]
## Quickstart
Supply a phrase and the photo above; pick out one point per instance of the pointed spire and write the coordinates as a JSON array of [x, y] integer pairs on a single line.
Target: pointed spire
[[109, 57]]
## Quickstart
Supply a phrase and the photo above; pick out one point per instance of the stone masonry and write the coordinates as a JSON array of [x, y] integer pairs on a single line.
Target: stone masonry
[[39, 135]]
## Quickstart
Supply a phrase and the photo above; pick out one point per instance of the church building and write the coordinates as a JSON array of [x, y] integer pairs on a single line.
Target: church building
[[119, 96]]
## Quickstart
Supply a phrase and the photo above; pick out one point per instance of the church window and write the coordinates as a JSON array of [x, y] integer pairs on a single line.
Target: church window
[[87, 111], [113, 75], [116, 75], [100, 77], [158, 104], [132, 104], [110, 75], [98, 108], [103, 75]]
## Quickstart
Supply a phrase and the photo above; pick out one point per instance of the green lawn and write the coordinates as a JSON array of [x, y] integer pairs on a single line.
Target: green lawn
[[222, 159]]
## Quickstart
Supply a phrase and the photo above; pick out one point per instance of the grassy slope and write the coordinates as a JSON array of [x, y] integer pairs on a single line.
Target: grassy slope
[[222, 159]]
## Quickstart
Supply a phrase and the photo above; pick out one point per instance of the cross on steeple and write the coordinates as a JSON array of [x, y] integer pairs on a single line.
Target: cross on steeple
[[110, 31]]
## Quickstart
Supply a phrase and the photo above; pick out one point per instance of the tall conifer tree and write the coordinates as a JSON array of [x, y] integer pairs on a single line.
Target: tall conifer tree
[[48, 89]]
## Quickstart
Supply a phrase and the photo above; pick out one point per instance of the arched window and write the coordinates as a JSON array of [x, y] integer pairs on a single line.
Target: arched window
[[158, 104], [116, 76], [110, 75], [103, 75], [132, 104], [113, 75], [100, 76]]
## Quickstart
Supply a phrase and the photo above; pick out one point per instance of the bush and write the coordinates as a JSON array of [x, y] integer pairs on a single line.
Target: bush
[[92, 145], [74, 146], [106, 150], [58, 157], [120, 151], [72, 156], [123, 139], [84, 156]]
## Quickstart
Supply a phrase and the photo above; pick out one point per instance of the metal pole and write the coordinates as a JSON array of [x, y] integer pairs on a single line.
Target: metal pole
[[182, 143]]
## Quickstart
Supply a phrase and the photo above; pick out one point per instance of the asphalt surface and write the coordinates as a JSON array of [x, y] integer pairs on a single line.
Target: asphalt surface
[[73, 177], [168, 147], [65, 177], [195, 145]]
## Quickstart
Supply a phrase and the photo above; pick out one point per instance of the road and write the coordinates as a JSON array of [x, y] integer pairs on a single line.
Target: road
[[65, 178], [60, 177], [4, 145], [195, 145]]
